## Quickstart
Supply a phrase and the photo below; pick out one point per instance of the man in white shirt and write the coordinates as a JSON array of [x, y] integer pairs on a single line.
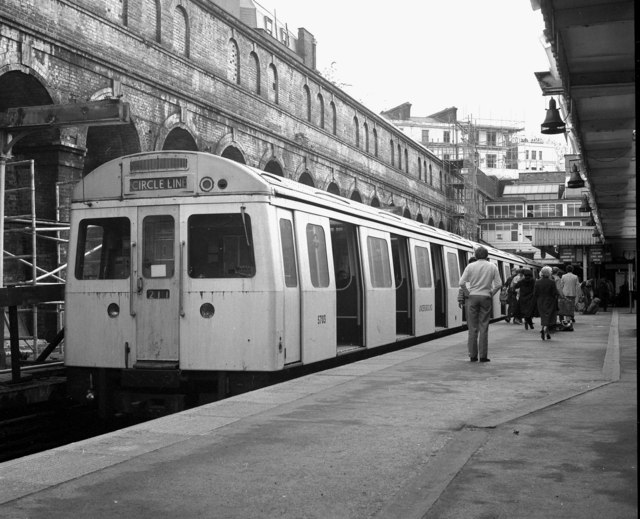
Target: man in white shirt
[[482, 280], [569, 285]]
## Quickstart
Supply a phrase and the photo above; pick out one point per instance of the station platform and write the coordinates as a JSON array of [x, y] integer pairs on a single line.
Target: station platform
[[547, 429]]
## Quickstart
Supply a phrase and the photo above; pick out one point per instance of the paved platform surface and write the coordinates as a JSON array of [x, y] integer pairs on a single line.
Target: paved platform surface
[[545, 430]]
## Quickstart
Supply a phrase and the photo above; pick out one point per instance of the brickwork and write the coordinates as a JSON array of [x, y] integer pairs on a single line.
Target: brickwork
[[78, 48]]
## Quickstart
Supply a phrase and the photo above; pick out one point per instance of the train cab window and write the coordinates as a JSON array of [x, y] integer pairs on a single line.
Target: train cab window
[[454, 272], [288, 253], [379, 267], [158, 246], [104, 246], [220, 246], [317, 249], [423, 267]]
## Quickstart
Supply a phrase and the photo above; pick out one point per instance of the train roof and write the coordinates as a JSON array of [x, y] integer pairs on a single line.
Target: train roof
[[186, 173]]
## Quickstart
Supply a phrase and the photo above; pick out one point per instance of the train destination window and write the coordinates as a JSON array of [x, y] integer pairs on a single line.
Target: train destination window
[[104, 246], [317, 249], [379, 267], [288, 253], [220, 246], [157, 246], [423, 267]]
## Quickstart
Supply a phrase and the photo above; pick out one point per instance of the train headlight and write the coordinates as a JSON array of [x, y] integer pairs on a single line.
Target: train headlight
[[207, 310], [113, 310]]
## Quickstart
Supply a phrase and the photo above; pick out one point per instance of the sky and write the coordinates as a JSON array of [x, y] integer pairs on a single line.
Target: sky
[[479, 56]]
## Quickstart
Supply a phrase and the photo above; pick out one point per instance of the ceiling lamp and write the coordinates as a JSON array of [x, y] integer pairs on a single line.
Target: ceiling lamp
[[585, 207], [575, 180], [553, 123]]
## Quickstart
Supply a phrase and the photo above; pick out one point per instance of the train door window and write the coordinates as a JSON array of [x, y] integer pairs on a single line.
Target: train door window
[[157, 246], [423, 267], [288, 253], [220, 246], [104, 246], [379, 267], [317, 249], [454, 273]]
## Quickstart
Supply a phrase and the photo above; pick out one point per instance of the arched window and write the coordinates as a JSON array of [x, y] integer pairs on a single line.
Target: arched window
[[320, 111], [441, 183], [375, 202], [233, 65], [334, 119], [375, 142], [393, 152], [254, 74], [365, 128], [430, 175], [419, 169], [356, 127], [333, 188], [150, 19], [399, 157], [273, 83], [406, 160], [307, 101], [181, 31]]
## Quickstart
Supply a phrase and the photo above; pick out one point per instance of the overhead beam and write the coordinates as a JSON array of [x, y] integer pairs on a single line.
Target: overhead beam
[[93, 113], [606, 12]]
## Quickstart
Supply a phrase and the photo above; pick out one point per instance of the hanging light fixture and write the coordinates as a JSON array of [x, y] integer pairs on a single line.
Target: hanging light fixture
[[590, 222], [575, 180], [553, 123], [585, 207]]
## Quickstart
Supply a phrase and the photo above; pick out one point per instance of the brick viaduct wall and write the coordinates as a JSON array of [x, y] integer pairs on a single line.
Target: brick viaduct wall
[[177, 74]]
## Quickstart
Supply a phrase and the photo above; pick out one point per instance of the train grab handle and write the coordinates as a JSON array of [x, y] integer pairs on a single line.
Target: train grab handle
[[132, 277], [181, 277]]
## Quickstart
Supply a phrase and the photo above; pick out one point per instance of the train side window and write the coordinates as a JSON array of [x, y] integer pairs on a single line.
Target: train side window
[[423, 267], [104, 246], [317, 249], [158, 246], [288, 253], [220, 246], [379, 267], [454, 272]]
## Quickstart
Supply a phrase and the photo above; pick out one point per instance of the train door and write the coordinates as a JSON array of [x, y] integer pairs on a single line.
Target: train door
[[439, 285], [157, 274], [454, 314], [346, 265], [380, 294], [423, 306], [317, 290], [403, 284], [496, 310], [291, 288], [463, 260]]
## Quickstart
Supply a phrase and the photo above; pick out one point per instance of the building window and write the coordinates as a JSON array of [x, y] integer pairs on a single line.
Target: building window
[[268, 25], [365, 128], [425, 136], [491, 161], [356, 126], [446, 156], [540, 155], [375, 142], [419, 169], [284, 36], [573, 210], [181, 31], [491, 138], [526, 155], [533, 155], [255, 73], [233, 65], [320, 111], [393, 153], [399, 157], [430, 175], [334, 118], [273, 83], [446, 137], [406, 160], [544, 210], [150, 19], [307, 102], [505, 211]]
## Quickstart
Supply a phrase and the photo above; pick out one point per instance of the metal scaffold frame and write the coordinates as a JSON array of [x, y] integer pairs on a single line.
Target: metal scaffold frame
[[29, 224]]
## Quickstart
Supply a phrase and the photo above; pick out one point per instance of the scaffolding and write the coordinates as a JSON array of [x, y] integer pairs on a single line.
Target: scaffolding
[[23, 230]]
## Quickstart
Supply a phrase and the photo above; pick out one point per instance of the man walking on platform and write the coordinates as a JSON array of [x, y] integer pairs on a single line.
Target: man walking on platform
[[482, 280], [569, 283]]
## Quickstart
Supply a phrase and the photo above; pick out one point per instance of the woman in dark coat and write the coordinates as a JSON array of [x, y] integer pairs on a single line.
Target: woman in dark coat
[[526, 301], [546, 295]]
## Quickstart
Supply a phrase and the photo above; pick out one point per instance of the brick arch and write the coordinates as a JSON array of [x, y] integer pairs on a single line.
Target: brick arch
[[355, 196], [333, 188], [306, 179], [179, 138], [233, 153], [228, 141]]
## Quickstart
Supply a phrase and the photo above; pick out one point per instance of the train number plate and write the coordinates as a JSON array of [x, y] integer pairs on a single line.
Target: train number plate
[[157, 294]]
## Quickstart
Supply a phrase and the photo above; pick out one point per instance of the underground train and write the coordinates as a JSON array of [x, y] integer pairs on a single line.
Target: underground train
[[186, 270]]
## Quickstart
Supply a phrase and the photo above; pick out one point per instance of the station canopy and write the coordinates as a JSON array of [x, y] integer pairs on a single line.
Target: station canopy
[[531, 189]]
